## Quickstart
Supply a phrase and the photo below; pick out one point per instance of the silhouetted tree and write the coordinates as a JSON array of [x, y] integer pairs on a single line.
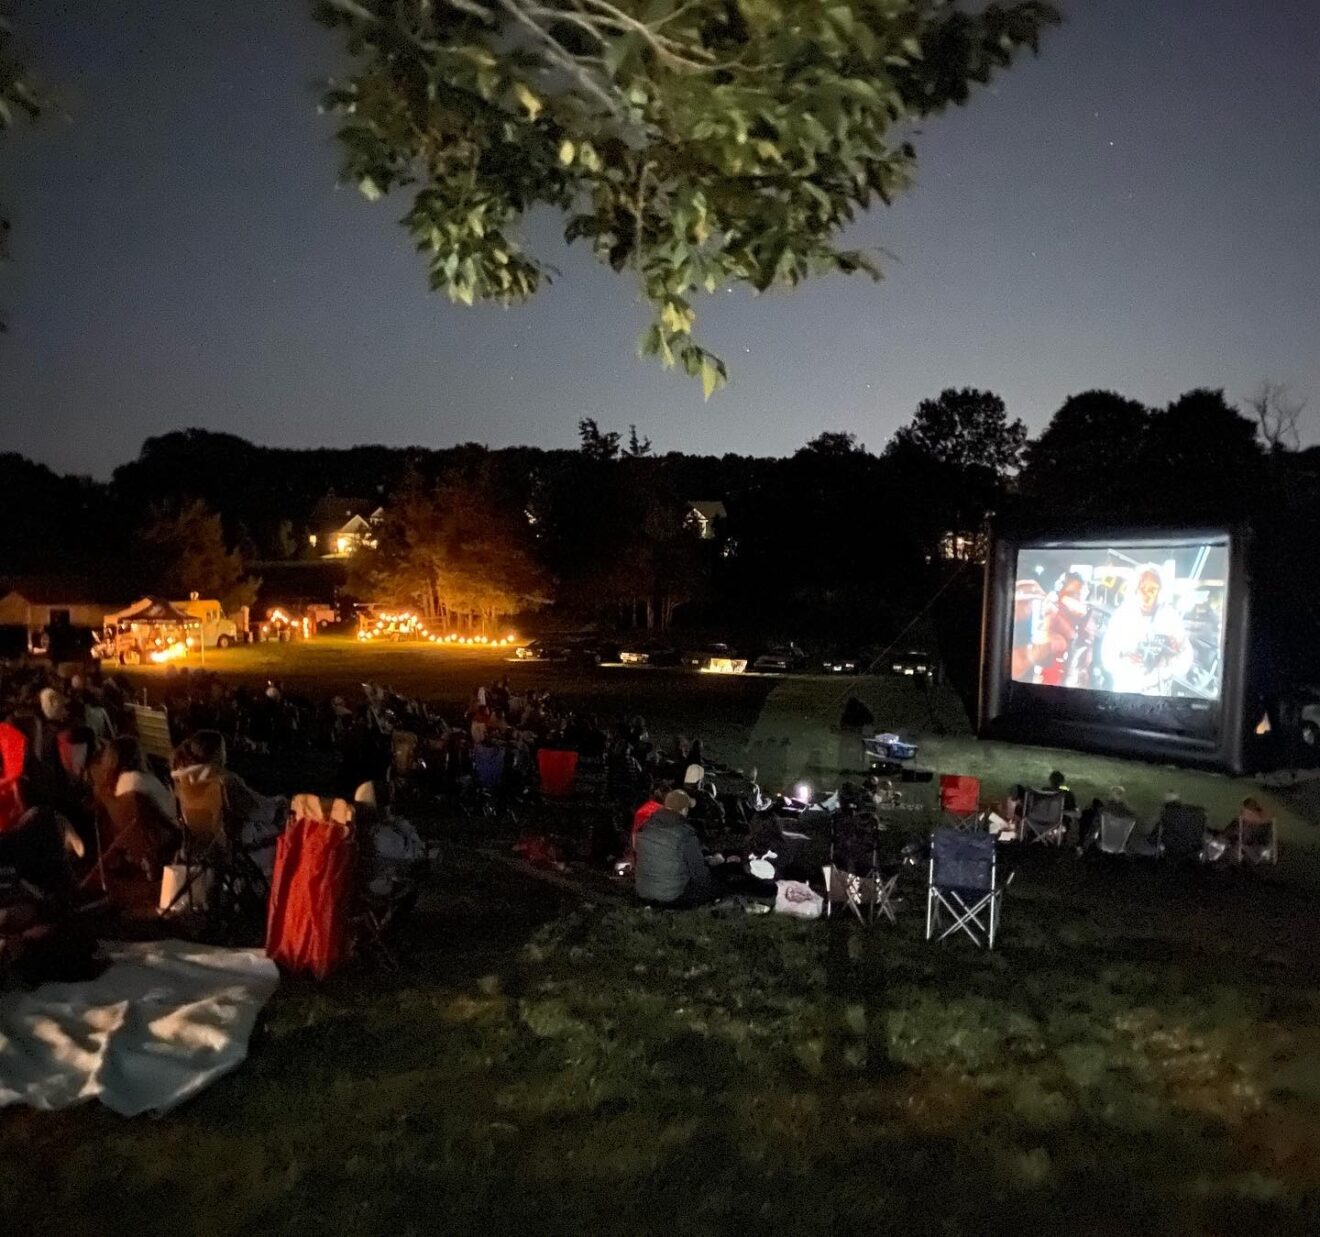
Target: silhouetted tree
[[1278, 414], [951, 465], [184, 552], [597, 444], [1086, 460], [832, 444], [966, 429]]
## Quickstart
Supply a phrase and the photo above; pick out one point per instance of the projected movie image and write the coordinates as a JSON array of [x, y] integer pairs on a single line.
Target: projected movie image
[[1146, 620]]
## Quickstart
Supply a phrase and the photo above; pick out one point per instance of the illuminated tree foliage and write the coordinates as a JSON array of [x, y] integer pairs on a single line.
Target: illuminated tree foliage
[[457, 550], [697, 143]]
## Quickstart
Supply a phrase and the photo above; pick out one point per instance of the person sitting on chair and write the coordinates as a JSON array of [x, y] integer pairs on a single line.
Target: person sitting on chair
[[1250, 818], [121, 772], [671, 870], [1058, 785], [1089, 825], [202, 758]]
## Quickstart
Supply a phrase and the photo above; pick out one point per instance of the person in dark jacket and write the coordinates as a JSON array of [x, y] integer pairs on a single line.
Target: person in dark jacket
[[671, 870]]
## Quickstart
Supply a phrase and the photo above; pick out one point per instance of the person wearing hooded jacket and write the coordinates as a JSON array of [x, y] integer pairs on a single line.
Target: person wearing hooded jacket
[[201, 758]]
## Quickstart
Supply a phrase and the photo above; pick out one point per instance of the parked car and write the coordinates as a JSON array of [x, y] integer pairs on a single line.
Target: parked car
[[648, 653], [579, 650], [844, 663], [539, 650], [781, 659], [717, 658], [590, 650], [915, 664], [698, 657]]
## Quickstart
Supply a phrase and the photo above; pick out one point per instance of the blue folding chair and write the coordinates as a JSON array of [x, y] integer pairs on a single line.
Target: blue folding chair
[[488, 763], [963, 886]]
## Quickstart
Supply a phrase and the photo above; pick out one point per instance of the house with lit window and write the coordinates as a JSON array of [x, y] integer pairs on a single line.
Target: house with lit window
[[701, 517], [340, 527]]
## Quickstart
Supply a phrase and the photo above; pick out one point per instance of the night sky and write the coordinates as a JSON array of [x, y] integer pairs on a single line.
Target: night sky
[[1138, 209]]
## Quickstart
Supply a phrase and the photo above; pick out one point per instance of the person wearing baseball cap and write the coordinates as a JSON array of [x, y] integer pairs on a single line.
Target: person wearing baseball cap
[[671, 870]]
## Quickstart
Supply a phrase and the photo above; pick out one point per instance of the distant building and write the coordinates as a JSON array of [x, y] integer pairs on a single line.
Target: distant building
[[701, 516], [343, 526], [38, 604]]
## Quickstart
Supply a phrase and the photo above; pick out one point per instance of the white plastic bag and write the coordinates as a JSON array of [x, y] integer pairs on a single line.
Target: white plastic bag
[[798, 899]]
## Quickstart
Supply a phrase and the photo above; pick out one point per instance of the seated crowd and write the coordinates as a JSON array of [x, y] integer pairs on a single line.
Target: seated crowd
[[81, 808]]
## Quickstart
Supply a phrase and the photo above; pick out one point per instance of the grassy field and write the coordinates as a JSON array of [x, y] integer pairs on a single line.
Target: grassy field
[[1141, 1055]]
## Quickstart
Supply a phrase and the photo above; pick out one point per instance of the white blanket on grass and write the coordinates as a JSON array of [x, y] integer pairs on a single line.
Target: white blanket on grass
[[166, 1019]]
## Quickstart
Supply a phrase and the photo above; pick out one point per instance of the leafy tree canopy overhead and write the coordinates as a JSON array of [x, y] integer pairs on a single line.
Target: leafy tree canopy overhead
[[699, 143]]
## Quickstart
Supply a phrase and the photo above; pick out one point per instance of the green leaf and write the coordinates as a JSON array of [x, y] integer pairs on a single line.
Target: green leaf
[[529, 101], [712, 376], [369, 189], [566, 152]]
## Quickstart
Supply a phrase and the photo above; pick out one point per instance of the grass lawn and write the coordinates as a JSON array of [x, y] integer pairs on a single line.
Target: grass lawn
[[1141, 1055]]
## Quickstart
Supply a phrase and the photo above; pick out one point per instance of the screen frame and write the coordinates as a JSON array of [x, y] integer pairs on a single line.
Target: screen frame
[[1183, 729]]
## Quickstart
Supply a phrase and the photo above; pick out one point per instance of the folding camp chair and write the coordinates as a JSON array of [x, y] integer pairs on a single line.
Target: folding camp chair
[[854, 876], [1182, 831], [1257, 842], [377, 904], [153, 733], [202, 814], [1148, 844], [214, 851], [137, 832], [558, 771], [488, 763], [406, 768], [1043, 817], [74, 755], [963, 884], [1113, 831], [308, 916], [13, 762], [960, 800], [403, 753]]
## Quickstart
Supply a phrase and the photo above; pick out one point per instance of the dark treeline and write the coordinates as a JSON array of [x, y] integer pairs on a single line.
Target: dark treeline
[[835, 542]]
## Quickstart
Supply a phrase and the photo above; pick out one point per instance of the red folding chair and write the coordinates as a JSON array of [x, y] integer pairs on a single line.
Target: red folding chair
[[307, 924], [960, 800], [558, 770], [13, 760]]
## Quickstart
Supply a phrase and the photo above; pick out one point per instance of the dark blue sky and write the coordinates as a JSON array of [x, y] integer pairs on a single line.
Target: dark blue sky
[[1137, 209]]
